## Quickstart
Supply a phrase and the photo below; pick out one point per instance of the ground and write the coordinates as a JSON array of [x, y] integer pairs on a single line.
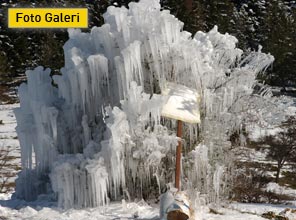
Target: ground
[[11, 209], [43, 209], [9, 148]]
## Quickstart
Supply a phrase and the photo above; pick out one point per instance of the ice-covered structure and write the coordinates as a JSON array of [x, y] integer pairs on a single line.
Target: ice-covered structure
[[94, 133]]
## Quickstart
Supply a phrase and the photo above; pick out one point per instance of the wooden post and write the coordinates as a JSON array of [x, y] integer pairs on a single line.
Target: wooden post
[[178, 157]]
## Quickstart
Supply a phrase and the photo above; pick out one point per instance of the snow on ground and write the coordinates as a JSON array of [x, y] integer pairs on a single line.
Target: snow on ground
[[259, 209], [43, 210], [282, 190], [8, 135], [256, 132], [9, 147]]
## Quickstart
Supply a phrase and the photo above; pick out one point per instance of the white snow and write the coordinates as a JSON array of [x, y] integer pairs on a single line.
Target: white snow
[[43, 209], [182, 104], [9, 145], [17, 209], [281, 190], [259, 209]]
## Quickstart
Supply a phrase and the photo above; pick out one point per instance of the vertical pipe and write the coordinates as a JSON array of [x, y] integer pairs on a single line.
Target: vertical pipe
[[178, 156]]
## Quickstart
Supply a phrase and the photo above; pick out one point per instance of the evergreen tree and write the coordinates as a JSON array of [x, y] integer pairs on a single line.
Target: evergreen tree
[[279, 33], [191, 13], [283, 146]]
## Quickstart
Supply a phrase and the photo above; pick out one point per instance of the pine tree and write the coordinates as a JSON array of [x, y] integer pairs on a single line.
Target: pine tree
[[279, 33], [283, 146]]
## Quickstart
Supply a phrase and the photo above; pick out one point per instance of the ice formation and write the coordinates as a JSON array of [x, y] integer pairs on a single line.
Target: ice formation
[[95, 133]]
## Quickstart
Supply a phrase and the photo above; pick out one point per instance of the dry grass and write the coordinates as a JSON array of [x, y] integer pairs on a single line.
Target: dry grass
[[7, 170]]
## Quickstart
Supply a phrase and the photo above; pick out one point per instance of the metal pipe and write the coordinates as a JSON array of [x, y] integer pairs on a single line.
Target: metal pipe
[[178, 156]]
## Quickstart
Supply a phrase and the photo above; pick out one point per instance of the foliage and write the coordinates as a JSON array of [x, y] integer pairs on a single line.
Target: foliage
[[283, 146], [253, 176], [5, 159], [278, 37]]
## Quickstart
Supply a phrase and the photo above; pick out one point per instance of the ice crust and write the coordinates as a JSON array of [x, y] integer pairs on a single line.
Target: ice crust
[[182, 104], [96, 129]]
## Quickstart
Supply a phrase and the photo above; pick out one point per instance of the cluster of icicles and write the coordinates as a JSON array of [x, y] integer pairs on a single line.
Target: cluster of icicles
[[94, 133]]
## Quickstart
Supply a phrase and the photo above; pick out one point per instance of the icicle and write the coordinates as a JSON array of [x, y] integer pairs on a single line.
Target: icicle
[[217, 181]]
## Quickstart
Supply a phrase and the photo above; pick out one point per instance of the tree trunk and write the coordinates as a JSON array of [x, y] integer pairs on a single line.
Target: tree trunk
[[277, 176]]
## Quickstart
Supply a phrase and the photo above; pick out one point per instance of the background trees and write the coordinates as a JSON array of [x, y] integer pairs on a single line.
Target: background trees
[[278, 37], [282, 147]]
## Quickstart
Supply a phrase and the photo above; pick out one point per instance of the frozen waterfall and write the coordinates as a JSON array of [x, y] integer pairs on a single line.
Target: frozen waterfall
[[94, 133]]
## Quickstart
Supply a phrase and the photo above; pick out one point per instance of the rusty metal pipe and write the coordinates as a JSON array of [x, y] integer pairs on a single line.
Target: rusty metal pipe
[[178, 157]]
